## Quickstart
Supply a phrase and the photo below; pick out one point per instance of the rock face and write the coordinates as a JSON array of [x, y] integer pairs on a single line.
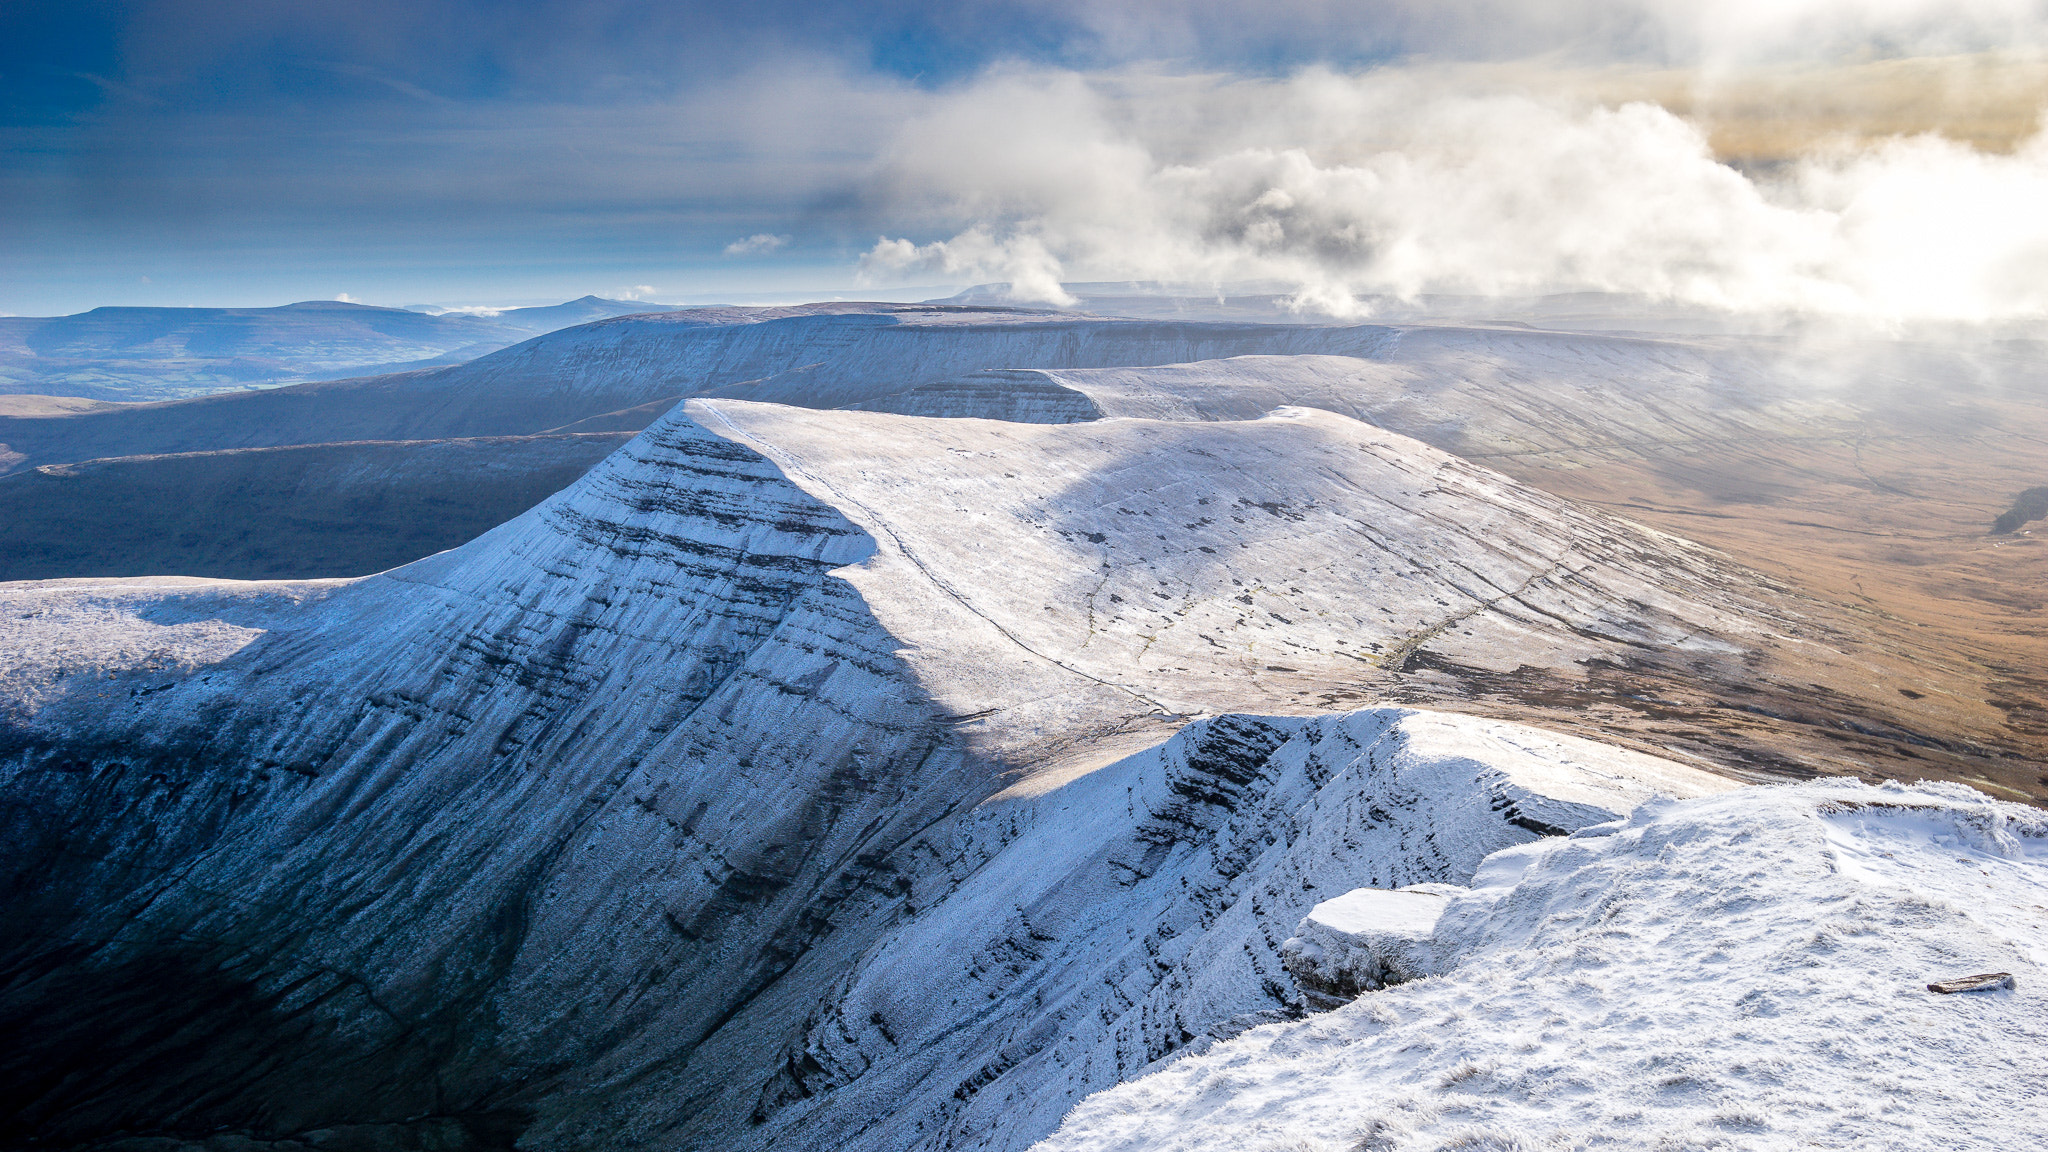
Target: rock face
[[1363, 941], [805, 778], [2027, 507]]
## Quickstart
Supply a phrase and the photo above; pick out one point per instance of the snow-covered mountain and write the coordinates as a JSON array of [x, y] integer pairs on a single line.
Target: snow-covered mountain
[[810, 777], [604, 816]]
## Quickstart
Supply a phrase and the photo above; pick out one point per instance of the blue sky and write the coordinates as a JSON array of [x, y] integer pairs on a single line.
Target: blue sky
[[193, 152], [402, 151]]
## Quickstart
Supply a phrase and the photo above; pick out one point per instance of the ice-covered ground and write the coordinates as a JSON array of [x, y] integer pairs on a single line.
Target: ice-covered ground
[[1746, 970], [61, 637]]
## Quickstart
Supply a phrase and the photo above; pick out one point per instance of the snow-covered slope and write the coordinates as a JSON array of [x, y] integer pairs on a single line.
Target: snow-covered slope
[[1135, 912], [825, 356], [1475, 392], [816, 778], [1738, 971], [63, 637], [593, 826], [1079, 581]]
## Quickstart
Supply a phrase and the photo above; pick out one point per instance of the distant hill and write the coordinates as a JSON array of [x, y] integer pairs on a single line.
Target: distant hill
[[352, 476], [131, 354], [344, 509], [818, 355], [581, 310]]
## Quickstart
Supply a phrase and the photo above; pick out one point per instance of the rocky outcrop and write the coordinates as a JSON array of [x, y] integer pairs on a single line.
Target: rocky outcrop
[[2027, 507], [1363, 941]]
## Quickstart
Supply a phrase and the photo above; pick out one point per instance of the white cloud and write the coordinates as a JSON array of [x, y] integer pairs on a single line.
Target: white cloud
[[345, 298], [636, 292], [1021, 261], [757, 243], [1406, 182]]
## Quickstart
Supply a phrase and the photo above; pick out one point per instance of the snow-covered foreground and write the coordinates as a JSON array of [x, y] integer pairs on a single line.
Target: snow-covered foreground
[[1745, 970], [1136, 912]]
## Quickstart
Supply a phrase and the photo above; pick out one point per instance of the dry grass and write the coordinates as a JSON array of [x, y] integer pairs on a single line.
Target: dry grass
[[1890, 532]]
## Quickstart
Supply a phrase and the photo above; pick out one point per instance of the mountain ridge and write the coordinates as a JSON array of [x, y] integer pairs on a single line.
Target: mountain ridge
[[457, 775], [126, 353]]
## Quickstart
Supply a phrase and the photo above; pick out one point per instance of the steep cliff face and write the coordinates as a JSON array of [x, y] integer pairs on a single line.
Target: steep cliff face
[[794, 778], [605, 774], [1135, 913]]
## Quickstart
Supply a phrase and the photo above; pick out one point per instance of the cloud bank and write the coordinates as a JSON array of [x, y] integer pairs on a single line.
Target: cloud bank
[[203, 151], [1408, 181]]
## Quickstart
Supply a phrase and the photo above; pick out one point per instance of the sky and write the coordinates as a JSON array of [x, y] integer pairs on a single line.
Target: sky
[[471, 152]]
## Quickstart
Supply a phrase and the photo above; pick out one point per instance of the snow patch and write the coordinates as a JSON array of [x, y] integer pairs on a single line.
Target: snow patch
[[59, 637]]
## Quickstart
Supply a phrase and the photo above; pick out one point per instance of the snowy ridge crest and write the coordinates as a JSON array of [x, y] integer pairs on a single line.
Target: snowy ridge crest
[[1736, 970], [1138, 911]]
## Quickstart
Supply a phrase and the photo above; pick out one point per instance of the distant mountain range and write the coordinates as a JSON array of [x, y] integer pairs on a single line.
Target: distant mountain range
[[130, 354]]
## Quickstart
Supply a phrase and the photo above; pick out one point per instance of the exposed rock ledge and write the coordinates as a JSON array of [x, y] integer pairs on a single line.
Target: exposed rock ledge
[[1365, 940]]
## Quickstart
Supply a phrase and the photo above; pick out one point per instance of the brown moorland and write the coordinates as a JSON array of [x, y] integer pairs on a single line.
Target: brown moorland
[[1891, 526]]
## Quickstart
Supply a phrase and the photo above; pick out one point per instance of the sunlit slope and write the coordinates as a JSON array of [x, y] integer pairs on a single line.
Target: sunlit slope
[[1866, 472], [1289, 563], [1748, 970]]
